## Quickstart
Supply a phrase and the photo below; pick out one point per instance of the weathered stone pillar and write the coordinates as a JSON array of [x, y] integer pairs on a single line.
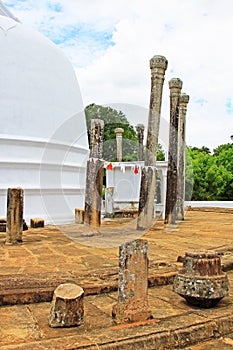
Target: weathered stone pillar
[[132, 304], [119, 133], [184, 99], [175, 86], [140, 135], [94, 177], [109, 204], [201, 281], [67, 307], [158, 65], [14, 226]]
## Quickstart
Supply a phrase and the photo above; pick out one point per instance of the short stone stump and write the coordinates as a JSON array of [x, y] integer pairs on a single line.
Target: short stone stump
[[2, 225], [201, 281], [67, 309], [36, 222], [79, 216]]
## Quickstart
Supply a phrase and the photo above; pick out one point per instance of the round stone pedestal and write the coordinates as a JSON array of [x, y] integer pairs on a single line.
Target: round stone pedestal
[[201, 281]]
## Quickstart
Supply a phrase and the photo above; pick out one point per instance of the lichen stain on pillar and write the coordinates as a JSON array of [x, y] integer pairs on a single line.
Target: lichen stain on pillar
[[132, 304], [14, 227]]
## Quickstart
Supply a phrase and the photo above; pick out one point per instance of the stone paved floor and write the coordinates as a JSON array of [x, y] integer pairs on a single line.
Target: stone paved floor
[[72, 250]]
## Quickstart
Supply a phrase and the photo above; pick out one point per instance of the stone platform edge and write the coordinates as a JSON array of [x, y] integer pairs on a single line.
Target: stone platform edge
[[147, 336], [14, 291]]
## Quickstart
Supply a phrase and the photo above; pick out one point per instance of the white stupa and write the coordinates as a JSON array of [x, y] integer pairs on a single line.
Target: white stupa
[[43, 138]]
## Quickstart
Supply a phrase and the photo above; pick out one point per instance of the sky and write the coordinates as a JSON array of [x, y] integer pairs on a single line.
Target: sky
[[110, 43]]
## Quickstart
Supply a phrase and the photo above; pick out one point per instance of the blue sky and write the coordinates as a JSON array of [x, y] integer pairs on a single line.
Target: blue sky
[[110, 43]]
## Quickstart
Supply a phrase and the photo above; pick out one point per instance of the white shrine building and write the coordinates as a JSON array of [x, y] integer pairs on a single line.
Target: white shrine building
[[124, 179], [43, 136]]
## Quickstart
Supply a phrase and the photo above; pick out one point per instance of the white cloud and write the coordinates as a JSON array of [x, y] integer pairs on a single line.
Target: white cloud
[[194, 35]]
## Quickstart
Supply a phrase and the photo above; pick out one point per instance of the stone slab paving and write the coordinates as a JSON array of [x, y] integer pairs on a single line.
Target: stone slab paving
[[174, 325], [49, 256]]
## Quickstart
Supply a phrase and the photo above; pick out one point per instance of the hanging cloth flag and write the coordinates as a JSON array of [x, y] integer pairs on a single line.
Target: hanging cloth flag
[[109, 166], [136, 169]]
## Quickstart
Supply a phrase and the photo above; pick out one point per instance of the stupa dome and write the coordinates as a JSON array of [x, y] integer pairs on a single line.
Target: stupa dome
[[43, 138]]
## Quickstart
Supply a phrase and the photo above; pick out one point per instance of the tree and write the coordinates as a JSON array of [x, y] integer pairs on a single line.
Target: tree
[[212, 174], [223, 157], [113, 119]]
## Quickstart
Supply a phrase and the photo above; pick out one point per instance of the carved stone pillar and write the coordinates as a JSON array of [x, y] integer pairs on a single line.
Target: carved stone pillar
[[184, 99], [119, 133], [140, 135], [175, 86], [158, 65], [94, 177], [14, 226]]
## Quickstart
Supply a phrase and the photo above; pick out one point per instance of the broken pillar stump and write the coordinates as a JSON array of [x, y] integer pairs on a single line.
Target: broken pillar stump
[[201, 281], [79, 216], [132, 304], [67, 307], [36, 222], [2, 225], [14, 226]]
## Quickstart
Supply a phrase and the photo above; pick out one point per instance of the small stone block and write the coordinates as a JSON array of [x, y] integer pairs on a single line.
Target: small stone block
[[79, 216], [37, 222], [25, 226], [67, 309], [2, 227]]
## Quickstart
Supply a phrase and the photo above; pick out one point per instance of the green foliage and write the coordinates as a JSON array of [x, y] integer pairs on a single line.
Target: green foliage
[[116, 119], [189, 178], [213, 174], [113, 119], [160, 153]]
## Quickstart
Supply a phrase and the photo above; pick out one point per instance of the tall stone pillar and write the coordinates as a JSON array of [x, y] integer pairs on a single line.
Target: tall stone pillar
[[119, 133], [140, 135], [14, 227], [184, 99], [94, 177], [175, 86], [158, 66], [132, 304]]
